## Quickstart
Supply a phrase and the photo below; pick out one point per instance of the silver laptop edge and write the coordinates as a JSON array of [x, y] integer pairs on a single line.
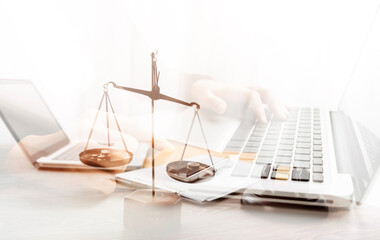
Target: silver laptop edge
[[44, 157]]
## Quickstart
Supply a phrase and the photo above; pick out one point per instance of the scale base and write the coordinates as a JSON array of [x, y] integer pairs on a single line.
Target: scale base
[[146, 216]]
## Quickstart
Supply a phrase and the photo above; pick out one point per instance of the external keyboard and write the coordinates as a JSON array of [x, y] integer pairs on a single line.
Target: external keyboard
[[282, 150]]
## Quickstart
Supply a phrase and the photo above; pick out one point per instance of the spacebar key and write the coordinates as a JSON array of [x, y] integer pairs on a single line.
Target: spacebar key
[[242, 168]]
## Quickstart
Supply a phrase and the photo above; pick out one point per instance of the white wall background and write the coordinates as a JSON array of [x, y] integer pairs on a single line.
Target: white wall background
[[303, 50]]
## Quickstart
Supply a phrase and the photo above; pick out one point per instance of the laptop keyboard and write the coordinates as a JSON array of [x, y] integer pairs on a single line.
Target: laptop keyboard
[[282, 150], [71, 153]]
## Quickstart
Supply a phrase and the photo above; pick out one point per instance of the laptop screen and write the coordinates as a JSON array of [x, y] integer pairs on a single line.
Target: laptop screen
[[361, 102], [362, 97], [29, 119]]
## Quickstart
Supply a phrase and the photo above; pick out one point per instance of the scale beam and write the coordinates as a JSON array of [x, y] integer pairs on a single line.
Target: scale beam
[[193, 170], [154, 94]]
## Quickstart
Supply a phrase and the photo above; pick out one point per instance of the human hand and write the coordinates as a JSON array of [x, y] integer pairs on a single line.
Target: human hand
[[213, 95]]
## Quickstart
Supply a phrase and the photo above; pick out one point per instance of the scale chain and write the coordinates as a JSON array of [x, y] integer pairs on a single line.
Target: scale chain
[[117, 124], [188, 136], [108, 122], [204, 138], [93, 125]]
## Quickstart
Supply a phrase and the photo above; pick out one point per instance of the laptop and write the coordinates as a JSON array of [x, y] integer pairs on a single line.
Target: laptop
[[38, 132], [318, 156]]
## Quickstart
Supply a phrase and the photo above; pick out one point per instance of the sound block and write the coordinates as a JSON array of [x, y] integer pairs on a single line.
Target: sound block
[[149, 217]]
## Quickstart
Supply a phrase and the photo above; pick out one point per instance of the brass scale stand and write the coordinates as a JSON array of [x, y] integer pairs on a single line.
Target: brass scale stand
[[184, 171]]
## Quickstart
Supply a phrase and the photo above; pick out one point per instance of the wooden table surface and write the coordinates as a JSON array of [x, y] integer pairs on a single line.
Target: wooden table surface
[[40, 204]]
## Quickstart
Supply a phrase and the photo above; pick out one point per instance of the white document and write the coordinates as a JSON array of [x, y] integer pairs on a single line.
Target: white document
[[215, 187]]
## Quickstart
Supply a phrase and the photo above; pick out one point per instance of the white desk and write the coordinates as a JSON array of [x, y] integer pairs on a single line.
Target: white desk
[[75, 205]]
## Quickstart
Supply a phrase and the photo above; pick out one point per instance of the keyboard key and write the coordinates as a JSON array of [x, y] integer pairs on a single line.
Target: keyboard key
[[257, 134], [290, 127], [317, 142], [261, 125], [232, 150], [304, 125], [317, 148], [317, 161], [317, 169], [275, 128], [282, 175], [287, 142], [272, 137], [317, 137], [301, 174], [306, 135], [266, 153], [304, 130], [287, 136], [317, 177], [253, 144], [261, 171], [256, 130], [303, 145], [303, 151], [247, 156], [242, 169], [301, 164], [285, 147], [279, 175], [273, 176], [274, 132], [303, 140], [265, 171], [270, 142], [317, 154], [255, 139], [301, 157], [251, 149], [283, 153], [289, 132], [283, 160], [264, 160], [281, 167], [268, 147], [259, 129]]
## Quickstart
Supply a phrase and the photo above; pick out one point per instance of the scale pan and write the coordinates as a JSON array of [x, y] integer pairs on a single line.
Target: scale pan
[[189, 171], [105, 157]]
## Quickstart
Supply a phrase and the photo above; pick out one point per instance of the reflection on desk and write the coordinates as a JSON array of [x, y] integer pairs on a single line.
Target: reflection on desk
[[65, 205]]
